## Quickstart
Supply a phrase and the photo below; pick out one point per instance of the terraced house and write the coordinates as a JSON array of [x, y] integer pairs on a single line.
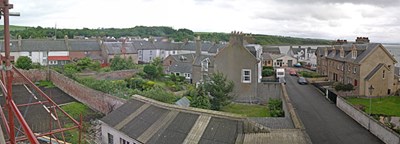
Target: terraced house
[[361, 64]]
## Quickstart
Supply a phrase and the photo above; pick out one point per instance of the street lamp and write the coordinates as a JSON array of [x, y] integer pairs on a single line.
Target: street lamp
[[371, 89]]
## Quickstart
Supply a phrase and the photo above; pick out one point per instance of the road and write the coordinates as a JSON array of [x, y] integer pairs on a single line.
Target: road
[[324, 122]]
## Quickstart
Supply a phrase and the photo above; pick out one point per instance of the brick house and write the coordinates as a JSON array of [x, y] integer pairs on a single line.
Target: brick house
[[85, 48], [362, 65], [123, 49]]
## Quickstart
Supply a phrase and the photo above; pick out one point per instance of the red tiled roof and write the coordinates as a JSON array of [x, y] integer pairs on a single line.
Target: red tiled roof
[[58, 58]]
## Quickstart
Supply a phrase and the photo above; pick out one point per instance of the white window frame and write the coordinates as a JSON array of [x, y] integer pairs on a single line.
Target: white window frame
[[354, 69], [244, 76], [53, 62]]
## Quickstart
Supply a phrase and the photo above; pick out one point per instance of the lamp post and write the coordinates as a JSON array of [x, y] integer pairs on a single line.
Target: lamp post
[[370, 89]]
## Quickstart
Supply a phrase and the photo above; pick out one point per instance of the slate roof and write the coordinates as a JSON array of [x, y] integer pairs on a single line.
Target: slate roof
[[397, 71], [150, 122], [43, 45], [182, 64], [205, 46], [84, 45], [373, 72], [363, 50], [267, 56], [271, 49], [198, 60], [143, 45], [13, 46], [116, 48], [216, 47]]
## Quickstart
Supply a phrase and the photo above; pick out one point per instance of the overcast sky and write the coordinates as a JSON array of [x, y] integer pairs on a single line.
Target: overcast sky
[[327, 19]]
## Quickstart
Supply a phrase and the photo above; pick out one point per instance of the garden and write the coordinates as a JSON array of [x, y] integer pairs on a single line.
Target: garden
[[151, 82], [383, 109]]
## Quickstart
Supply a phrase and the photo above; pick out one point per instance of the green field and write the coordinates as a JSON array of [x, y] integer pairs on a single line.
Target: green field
[[389, 105], [247, 110]]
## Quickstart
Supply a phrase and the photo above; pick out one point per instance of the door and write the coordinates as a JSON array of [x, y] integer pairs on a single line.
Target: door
[[290, 63]]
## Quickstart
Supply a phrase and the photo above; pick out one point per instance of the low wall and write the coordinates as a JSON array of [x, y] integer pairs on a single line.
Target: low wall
[[375, 127], [116, 75], [97, 100]]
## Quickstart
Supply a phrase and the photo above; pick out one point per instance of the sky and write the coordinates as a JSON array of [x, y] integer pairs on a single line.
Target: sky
[[325, 19]]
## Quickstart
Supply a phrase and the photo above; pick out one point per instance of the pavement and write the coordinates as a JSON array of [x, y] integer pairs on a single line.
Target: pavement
[[323, 121]]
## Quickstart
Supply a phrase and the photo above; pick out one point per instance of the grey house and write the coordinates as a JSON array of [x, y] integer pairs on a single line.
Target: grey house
[[242, 65]]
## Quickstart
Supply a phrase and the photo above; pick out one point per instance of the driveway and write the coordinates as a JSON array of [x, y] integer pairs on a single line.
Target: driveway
[[324, 122]]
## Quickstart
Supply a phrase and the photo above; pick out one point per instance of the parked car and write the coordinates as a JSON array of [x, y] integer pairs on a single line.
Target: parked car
[[293, 72], [302, 80]]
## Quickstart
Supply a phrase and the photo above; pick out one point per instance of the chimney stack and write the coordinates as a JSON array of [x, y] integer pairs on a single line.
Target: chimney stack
[[236, 38], [198, 46]]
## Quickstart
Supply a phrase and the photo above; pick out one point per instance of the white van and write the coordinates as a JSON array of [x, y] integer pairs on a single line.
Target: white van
[[280, 73]]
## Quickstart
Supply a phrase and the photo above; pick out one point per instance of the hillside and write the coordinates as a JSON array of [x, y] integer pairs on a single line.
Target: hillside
[[14, 27], [147, 31]]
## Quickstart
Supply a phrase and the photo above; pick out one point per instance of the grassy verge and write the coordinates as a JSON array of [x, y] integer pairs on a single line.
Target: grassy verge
[[389, 106], [247, 110]]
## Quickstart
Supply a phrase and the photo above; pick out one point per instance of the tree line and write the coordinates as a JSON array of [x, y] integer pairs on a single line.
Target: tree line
[[155, 31]]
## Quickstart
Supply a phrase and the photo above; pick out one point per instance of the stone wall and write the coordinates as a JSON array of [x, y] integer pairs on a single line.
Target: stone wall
[[375, 127], [116, 75], [33, 74], [267, 90], [97, 100]]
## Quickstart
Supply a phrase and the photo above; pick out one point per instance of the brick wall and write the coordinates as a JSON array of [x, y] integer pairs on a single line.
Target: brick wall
[[115, 75], [97, 100], [33, 74]]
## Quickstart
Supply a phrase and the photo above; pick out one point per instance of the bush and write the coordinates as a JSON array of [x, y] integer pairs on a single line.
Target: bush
[[24, 62], [150, 71], [37, 66], [105, 69], [268, 72], [344, 87], [308, 74], [135, 83], [158, 93], [275, 108], [268, 67]]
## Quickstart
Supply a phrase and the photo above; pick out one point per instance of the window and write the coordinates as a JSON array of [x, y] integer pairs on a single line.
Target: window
[[53, 62], [246, 76], [110, 138], [162, 52], [355, 82], [389, 67], [140, 51], [149, 58], [177, 74], [342, 67], [383, 74], [30, 53], [151, 52], [123, 141], [204, 64], [354, 70], [269, 62]]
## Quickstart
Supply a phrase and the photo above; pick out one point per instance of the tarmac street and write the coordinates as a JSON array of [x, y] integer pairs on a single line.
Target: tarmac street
[[324, 122]]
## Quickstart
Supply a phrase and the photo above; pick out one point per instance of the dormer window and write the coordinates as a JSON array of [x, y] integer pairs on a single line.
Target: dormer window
[[341, 52], [204, 64], [354, 52]]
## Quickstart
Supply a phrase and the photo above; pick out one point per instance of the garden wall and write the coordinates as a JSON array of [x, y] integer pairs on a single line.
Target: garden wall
[[116, 75], [33, 74], [97, 100], [375, 127]]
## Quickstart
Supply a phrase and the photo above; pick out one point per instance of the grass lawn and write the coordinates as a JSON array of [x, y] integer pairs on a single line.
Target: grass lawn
[[386, 105], [247, 110]]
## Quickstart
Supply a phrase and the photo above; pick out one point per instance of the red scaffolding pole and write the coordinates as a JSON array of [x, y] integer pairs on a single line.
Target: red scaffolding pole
[[11, 107]]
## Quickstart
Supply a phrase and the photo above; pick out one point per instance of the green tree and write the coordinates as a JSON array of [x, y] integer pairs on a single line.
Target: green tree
[[84, 63], [157, 62], [150, 71], [70, 69], [199, 99], [275, 107], [219, 89], [119, 63], [24, 62]]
